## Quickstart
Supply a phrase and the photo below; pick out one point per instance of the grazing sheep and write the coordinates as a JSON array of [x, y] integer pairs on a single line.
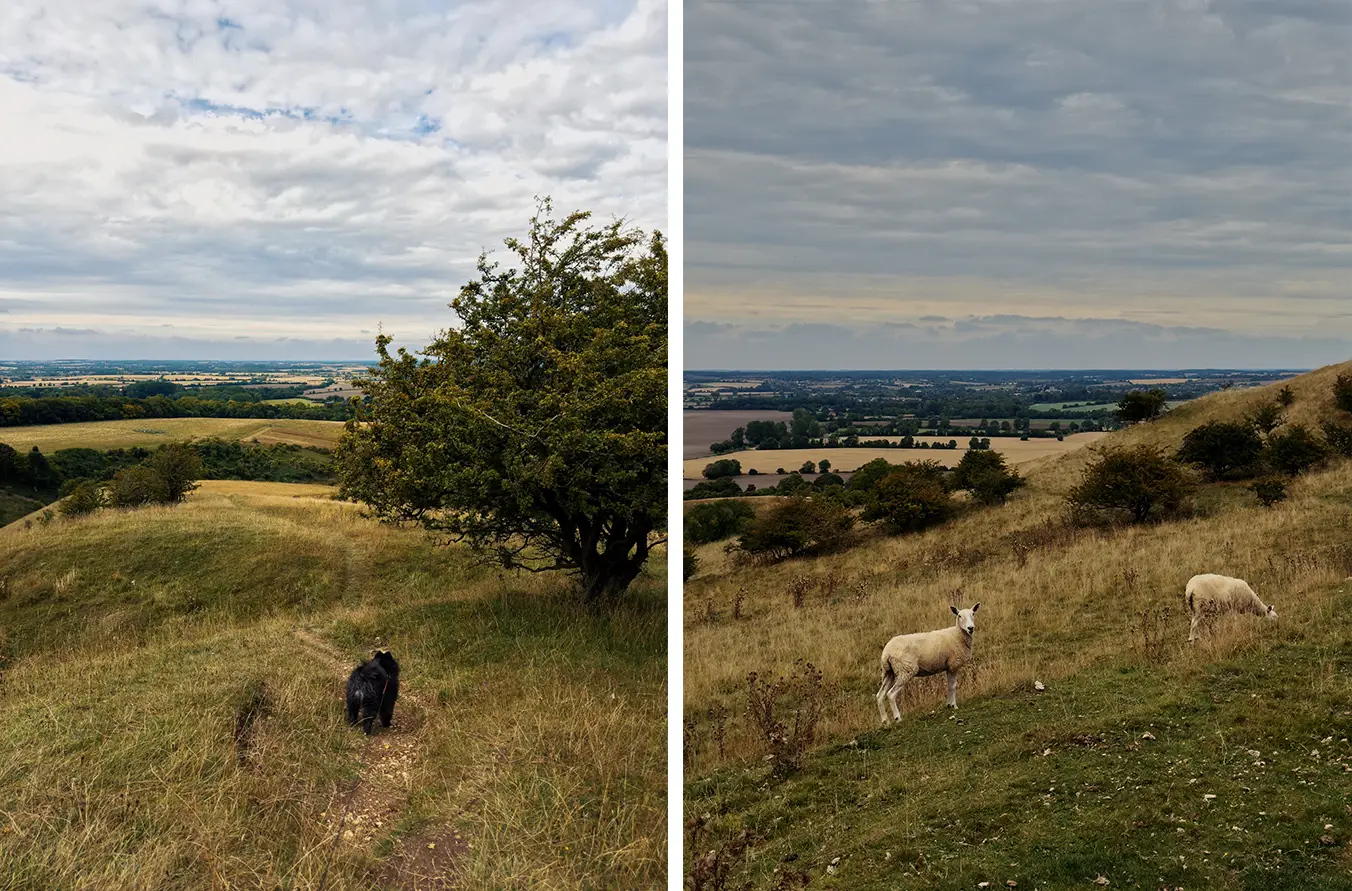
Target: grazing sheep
[[372, 690], [920, 655], [1210, 595]]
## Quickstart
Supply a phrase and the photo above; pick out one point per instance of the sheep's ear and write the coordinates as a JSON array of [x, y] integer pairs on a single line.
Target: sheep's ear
[[954, 609], [976, 606]]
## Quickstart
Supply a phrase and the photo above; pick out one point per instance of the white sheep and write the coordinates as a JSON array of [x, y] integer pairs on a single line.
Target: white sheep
[[1211, 595], [920, 655]]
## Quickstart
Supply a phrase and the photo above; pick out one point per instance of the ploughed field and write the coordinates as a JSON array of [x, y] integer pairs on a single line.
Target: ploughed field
[[151, 432]]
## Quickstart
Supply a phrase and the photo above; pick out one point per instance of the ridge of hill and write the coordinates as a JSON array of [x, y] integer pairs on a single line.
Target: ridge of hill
[[1146, 761], [171, 687]]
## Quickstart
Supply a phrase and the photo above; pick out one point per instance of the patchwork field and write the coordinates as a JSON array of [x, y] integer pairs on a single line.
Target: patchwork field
[[700, 428], [768, 460], [151, 432]]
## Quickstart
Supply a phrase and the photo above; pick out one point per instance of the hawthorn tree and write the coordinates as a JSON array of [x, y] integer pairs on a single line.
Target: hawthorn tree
[[536, 431]]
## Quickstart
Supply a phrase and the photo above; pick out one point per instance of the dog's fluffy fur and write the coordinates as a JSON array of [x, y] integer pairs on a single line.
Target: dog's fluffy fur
[[372, 689]]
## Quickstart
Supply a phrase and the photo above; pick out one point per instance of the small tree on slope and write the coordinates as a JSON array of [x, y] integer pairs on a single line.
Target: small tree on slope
[[536, 431]]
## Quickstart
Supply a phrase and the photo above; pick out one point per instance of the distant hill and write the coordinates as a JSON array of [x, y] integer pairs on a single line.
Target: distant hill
[[1147, 762]]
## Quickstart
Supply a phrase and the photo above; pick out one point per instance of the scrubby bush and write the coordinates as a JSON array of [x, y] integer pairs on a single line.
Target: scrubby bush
[[1295, 450], [719, 488], [791, 485], [180, 468], [84, 498], [137, 486], [1141, 405], [868, 476], [824, 465], [689, 564], [724, 467], [1339, 437], [1286, 396], [1342, 392], [1269, 490], [826, 481], [1266, 418], [1224, 450], [785, 714], [717, 520], [911, 498], [808, 467], [985, 474], [798, 526], [1139, 480]]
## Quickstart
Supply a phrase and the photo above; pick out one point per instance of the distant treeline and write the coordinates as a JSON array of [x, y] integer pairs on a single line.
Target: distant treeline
[[60, 472], [22, 411]]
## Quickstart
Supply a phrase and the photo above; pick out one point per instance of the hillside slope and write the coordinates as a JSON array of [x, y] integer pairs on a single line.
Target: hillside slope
[[1048, 790], [170, 708]]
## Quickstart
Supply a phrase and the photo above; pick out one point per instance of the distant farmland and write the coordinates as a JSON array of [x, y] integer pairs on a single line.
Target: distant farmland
[[149, 432], [768, 460], [701, 428]]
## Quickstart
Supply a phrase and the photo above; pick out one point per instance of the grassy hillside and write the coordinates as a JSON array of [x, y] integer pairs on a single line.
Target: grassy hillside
[[1049, 790], [170, 715], [151, 432]]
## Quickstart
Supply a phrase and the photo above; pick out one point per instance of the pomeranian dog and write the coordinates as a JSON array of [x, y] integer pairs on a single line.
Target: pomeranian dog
[[372, 689]]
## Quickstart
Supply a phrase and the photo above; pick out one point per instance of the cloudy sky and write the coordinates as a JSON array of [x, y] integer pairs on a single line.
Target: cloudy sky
[[1018, 183], [276, 178]]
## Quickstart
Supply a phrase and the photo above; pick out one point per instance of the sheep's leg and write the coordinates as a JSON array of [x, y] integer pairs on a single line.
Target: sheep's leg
[[952, 689], [882, 700], [894, 694], [1195, 627]]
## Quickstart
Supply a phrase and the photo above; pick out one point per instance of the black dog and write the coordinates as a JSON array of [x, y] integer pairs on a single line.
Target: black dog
[[372, 689]]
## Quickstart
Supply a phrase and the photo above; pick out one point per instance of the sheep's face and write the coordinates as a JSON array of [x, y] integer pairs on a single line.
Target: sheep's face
[[1271, 614], [966, 618]]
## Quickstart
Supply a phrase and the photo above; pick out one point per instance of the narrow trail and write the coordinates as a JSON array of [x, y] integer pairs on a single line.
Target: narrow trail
[[372, 809]]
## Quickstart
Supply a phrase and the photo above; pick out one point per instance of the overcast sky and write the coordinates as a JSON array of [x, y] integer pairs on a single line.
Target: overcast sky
[[1018, 183], [275, 178]]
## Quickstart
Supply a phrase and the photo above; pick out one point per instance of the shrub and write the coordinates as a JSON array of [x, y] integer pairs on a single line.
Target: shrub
[[1286, 396], [985, 474], [785, 714], [1267, 418], [1222, 449], [1295, 450], [868, 476], [1269, 489], [705, 523], [180, 468], [724, 467], [1339, 437], [85, 498], [1141, 405], [797, 526], [1342, 392], [911, 498], [137, 486], [826, 480], [808, 467], [689, 564], [791, 485], [824, 465], [1138, 480], [720, 488]]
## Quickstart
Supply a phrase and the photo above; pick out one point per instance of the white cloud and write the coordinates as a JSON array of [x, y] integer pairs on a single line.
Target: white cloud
[[306, 169]]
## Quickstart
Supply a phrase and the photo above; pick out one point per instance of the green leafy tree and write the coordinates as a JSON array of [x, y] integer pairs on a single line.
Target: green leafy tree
[[723, 467], [1141, 405], [824, 465], [985, 474], [85, 498], [1140, 480], [911, 498], [179, 466], [717, 520], [536, 430], [724, 487], [798, 526], [1339, 437], [13, 466], [808, 467], [1295, 450], [137, 486], [1224, 450]]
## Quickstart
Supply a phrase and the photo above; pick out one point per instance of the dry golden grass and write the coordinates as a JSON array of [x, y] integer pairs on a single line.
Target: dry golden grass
[[128, 640], [1046, 613], [1016, 451], [150, 432]]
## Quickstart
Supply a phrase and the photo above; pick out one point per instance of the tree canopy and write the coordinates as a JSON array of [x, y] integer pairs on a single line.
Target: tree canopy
[[536, 430]]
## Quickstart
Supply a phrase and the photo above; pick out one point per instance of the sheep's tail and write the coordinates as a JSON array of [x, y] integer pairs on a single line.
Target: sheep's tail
[[889, 673]]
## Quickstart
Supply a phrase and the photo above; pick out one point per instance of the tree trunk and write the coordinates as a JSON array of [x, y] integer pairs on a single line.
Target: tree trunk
[[606, 575]]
